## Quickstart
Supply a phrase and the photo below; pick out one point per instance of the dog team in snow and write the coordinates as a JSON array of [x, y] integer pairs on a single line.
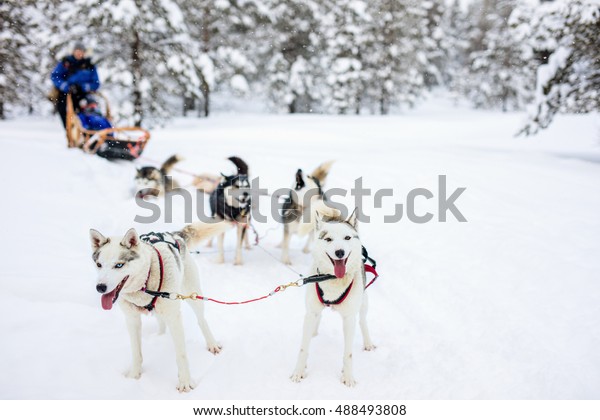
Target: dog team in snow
[[143, 272]]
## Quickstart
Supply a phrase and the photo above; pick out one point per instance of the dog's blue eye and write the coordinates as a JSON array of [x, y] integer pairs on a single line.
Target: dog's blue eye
[[119, 265], [348, 238]]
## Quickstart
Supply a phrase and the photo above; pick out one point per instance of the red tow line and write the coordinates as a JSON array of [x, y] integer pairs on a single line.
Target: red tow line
[[278, 289], [300, 282]]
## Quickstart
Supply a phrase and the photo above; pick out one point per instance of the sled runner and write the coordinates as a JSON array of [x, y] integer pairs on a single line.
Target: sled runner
[[92, 130]]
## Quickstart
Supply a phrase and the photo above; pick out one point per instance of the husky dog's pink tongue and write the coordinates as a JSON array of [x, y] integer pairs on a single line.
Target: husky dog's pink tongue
[[339, 268], [111, 297], [107, 300]]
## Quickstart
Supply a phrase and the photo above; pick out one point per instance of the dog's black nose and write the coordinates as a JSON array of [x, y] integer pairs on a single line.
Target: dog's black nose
[[339, 253], [101, 288]]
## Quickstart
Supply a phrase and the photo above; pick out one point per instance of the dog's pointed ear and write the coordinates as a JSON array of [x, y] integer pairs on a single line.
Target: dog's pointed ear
[[130, 239], [97, 239], [353, 219]]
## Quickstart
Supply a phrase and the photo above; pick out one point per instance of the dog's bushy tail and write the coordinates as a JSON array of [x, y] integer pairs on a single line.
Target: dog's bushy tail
[[322, 171], [206, 182], [169, 163], [199, 231], [242, 166]]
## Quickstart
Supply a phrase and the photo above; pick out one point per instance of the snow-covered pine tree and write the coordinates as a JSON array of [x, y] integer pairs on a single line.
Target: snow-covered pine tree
[[453, 44], [570, 81], [433, 42], [476, 25], [227, 34], [394, 57], [344, 23], [17, 54], [500, 69], [294, 61]]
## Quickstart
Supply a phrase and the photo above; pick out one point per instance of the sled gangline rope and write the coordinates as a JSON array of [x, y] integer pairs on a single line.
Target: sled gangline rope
[[183, 171], [282, 287], [316, 278]]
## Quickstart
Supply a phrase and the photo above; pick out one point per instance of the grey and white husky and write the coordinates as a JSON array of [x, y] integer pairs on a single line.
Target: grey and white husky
[[153, 182], [129, 266], [337, 251], [306, 196]]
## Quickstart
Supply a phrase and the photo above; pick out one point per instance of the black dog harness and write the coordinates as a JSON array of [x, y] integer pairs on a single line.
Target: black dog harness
[[152, 238], [155, 237]]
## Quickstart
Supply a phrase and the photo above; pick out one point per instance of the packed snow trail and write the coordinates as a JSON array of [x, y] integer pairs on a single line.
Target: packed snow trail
[[504, 306]]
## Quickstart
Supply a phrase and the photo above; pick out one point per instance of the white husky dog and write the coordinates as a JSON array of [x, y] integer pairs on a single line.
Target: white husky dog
[[129, 266], [306, 196], [337, 251]]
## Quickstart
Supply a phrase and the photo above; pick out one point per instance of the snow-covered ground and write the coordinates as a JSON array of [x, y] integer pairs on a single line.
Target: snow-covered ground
[[504, 306]]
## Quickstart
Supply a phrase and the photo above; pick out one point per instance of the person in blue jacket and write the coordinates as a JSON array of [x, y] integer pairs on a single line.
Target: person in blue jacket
[[74, 74], [90, 115]]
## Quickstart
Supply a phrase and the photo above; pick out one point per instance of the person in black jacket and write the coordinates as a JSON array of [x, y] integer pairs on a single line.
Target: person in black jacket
[[74, 74]]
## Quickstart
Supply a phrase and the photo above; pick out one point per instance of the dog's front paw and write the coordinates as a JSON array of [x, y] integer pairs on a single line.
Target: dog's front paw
[[286, 261], [214, 348], [238, 261], [220, 260], [185, 386], [348, 381], [134, 373], [370, 347], [298, 376]]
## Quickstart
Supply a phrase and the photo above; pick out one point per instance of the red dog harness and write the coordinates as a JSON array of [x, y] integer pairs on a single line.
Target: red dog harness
[[343, 296], [333, 302]]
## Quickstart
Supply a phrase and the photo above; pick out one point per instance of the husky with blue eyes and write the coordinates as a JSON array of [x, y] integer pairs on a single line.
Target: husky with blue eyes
[[131, 266], [306, 196], [231, 201], [337, 251]]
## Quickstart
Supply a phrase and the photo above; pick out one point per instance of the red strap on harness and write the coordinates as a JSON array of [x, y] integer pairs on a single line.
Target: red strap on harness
[[371, 269], [335, 302], [368, 269]]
